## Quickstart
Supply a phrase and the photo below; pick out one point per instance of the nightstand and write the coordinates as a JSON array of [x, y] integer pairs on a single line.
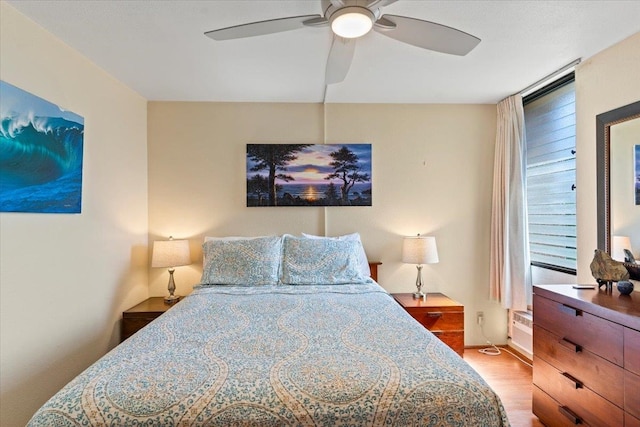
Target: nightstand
[[139, 316], [439, 314]]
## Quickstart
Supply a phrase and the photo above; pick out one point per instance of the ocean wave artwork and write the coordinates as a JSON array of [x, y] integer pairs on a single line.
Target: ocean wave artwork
[[41, 149]]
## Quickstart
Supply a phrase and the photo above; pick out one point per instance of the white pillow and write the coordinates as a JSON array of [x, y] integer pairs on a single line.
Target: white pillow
[[363, 262]]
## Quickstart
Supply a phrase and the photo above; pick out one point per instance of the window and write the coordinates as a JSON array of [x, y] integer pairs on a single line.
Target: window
[[550, 127]]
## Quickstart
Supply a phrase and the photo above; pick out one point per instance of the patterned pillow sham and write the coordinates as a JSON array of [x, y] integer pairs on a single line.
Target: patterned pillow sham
[[242, 261], [363, 261], [320, 261], [208, 238]]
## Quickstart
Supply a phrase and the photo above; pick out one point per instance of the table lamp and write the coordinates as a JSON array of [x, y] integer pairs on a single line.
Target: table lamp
[[618, 245], [171, 253], [419, 250]]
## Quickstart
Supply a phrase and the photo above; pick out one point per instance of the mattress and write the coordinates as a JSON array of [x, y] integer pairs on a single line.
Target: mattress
[[314, 355]]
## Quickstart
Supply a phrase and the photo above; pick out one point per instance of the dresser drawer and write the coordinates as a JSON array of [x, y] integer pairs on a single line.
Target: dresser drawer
[[632, 394], [593, 333], [550, 412], [437, 320], [632, 350], [607, 380], [578, 400], [631, 421]]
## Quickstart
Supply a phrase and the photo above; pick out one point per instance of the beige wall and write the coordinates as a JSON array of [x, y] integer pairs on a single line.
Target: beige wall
[[604, 82], [432, 174], [65, 279]]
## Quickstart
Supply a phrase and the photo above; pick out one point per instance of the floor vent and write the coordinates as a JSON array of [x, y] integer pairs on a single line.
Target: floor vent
[[521, 332]]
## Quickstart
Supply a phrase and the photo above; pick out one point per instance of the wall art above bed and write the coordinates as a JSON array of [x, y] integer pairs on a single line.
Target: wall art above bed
[[40, 154], [309, 175]]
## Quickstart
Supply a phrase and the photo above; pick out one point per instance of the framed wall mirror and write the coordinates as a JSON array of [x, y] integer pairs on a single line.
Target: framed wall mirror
[[609, 145]]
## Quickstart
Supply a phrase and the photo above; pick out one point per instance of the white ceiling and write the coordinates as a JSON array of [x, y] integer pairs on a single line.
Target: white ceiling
[[158, 48]]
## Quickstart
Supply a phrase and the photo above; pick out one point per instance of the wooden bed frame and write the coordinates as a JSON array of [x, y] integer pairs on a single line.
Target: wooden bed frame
[[373, 266]]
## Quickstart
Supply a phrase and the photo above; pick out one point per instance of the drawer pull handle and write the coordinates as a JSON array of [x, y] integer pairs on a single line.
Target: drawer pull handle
[[436, 333], [570, 310], [569, 414], [570, 344], [434, 314], [575, 382]]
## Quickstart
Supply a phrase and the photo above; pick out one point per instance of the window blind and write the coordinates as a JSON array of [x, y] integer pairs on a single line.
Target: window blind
[[551, 175]]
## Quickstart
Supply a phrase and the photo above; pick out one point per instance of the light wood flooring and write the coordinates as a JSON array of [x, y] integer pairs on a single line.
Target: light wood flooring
[[512, 381]]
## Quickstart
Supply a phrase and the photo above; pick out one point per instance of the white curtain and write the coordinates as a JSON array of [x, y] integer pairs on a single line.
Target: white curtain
[[510, 272]]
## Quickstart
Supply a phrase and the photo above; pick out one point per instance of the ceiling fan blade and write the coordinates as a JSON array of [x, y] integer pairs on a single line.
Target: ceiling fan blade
[[339, 61], [380, 3], [427, 35], [260, 28], [319, 21]]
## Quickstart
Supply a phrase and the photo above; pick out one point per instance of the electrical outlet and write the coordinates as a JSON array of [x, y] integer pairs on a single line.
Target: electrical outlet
[[480, 318]]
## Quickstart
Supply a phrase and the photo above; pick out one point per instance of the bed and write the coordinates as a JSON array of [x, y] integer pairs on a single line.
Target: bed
[[282, 331]]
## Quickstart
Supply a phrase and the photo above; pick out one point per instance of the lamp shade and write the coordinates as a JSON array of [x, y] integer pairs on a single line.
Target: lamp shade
[[170, 253], [618, 245], [419, 250]]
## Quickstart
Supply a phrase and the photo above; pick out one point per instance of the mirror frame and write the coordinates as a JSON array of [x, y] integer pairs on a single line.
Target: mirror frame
[[604, 122]]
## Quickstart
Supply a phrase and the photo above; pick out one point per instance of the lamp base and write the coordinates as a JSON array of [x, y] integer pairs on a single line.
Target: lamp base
[[419, 293], [171, 299]]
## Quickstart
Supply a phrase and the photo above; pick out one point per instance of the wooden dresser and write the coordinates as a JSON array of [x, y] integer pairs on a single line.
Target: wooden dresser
[[586, 363], [438, 313]]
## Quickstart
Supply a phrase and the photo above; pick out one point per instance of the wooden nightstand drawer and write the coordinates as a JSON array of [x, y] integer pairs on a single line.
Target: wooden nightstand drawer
[[455, 340], [139, 316], [435, 320], [438, 313], [132, 325]]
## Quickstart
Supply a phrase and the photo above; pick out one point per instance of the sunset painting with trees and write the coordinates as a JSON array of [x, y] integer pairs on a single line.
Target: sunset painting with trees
[[308, 175]]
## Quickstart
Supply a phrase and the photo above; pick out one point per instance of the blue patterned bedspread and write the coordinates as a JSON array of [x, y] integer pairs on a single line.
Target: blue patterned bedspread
[[279, 356]]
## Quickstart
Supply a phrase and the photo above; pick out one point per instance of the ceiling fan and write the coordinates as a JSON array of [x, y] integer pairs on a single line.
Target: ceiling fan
[[350, 19]]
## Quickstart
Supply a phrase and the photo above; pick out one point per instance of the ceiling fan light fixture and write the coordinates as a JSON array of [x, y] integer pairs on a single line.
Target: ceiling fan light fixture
[[352, 22]]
